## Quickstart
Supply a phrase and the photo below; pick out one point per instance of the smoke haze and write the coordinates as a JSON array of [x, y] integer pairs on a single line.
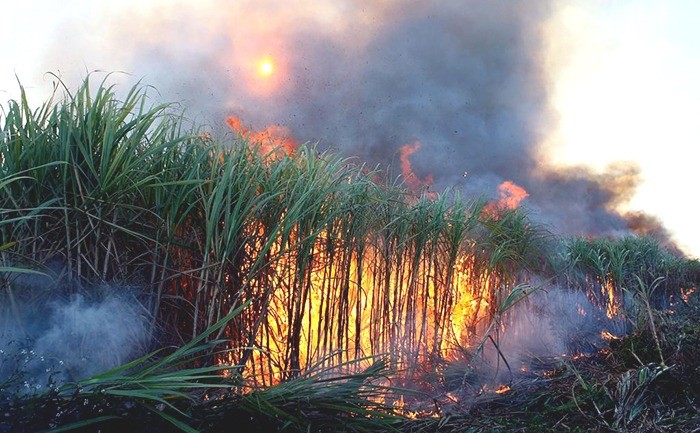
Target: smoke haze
[[72, 338]]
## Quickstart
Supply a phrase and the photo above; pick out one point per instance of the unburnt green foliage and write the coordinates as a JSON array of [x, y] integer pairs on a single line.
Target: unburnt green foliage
[[286, 267], [118, 190]]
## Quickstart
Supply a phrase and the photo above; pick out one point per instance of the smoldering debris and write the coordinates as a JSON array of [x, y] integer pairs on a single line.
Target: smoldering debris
[[549, 327], [553, 322]]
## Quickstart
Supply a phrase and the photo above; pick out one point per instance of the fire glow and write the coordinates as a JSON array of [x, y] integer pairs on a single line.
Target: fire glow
[[327, 301], [385, 297], [327, 268]]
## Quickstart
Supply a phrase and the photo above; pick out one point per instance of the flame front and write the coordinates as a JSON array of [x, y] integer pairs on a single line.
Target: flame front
[[332, 287], [340, 293], [355, 303]]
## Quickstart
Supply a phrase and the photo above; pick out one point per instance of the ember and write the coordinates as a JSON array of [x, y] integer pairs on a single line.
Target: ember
[[608, 336], [502, 389]]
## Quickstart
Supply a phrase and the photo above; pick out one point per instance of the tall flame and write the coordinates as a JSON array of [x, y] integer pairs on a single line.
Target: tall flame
[[357, 302]]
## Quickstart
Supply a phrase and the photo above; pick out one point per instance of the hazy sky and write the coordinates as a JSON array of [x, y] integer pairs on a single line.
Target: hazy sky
[[621, 75]]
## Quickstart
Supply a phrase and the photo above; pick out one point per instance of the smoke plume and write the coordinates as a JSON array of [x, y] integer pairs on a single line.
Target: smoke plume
[[459, 82]]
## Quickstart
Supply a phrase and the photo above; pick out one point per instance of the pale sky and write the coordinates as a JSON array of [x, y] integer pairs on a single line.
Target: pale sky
[[624, 83], [630, 92]]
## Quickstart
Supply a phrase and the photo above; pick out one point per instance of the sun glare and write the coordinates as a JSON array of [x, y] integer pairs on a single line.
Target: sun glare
[[265, 67]]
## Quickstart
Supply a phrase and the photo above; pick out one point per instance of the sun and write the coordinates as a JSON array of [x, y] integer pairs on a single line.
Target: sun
[[266, 67], [264, 74]]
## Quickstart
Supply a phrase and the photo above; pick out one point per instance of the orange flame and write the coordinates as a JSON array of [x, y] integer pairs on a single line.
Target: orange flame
[[612, 305], [412, 181], [509, 197], [274, 141]]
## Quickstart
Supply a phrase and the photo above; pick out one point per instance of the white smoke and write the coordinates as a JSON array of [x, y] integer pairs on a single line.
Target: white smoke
[[552, 323], [71, 338]]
